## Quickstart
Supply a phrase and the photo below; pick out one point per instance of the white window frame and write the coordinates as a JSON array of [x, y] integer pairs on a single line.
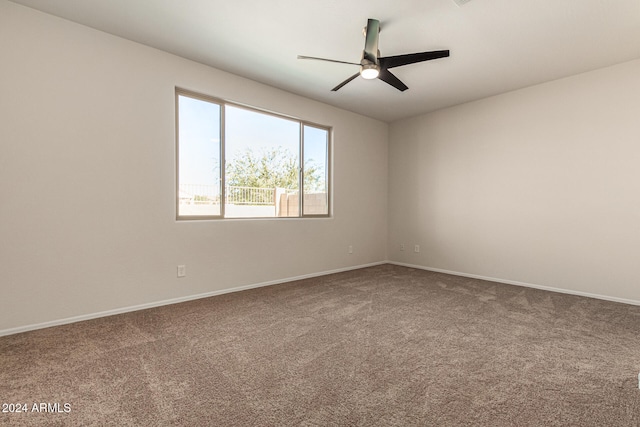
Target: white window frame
[[301, 123]]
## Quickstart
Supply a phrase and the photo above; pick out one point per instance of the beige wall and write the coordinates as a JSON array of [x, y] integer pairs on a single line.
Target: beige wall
[[539, 186], [87, 178]]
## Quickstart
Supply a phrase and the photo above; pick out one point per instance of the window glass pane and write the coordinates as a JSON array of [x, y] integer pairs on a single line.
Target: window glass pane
[[262, 169], [316, 178], [198, 157]]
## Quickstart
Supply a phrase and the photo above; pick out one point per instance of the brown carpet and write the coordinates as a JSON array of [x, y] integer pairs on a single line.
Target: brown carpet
[[381, 346]]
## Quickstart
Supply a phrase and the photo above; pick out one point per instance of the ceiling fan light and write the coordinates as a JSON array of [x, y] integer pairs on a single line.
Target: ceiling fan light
[[369, 71]]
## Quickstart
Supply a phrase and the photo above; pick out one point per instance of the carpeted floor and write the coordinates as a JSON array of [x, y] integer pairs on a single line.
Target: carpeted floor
[[381, 346]]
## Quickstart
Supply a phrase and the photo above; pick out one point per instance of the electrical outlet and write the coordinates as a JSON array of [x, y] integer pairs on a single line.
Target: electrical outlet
[[402, 246], [350, 249], [182, 271], [416, 248]]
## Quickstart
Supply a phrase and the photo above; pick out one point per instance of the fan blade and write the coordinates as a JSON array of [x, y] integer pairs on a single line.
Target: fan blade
[[371, 40], [386, 76], [345, 82], [327, 60], [411, 58]]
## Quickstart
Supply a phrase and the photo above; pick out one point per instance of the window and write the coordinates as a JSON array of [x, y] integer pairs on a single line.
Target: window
[[239, 162]]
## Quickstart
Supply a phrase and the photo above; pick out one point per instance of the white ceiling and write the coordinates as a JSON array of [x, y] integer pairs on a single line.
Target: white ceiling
[[496, 45]]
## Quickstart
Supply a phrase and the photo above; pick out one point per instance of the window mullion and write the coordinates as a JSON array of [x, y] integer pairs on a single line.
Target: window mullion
[[301, 173], [223, 174]]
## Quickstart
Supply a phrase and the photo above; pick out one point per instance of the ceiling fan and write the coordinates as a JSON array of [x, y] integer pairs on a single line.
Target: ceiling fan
[[373, 66]]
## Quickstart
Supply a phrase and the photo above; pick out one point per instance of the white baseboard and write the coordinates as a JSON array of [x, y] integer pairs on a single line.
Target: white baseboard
[[516, 283], [90, 316]]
